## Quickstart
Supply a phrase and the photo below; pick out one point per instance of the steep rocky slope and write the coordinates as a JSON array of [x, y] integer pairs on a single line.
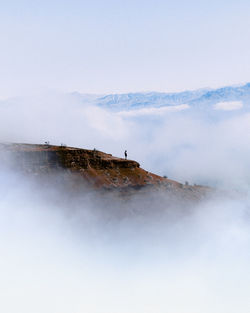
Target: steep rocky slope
[[90, 167], [96, 167]]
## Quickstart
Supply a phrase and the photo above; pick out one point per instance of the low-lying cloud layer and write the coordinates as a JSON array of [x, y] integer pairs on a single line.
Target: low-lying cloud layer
[[200, 145], [76, 256], [97, 254]]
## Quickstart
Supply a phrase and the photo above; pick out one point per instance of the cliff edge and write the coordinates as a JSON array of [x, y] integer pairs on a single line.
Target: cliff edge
[[95, 167]]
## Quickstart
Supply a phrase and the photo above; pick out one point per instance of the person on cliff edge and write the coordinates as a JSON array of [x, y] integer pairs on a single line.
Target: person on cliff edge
[[126, 155]]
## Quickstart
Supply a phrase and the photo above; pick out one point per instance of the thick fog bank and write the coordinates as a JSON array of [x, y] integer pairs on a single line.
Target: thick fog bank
[[151, 252], [104, 253], [202, 145]]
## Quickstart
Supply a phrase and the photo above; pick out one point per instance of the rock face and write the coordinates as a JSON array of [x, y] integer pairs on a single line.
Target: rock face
[[94, 167]]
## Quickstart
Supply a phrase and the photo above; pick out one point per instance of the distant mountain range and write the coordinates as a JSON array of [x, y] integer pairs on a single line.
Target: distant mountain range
[[197, 98]]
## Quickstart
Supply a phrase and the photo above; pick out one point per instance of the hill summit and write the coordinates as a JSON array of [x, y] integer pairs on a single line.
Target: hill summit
[[97, 168]]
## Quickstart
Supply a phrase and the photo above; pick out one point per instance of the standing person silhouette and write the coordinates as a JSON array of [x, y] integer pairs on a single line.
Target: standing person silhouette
[[126, 155]]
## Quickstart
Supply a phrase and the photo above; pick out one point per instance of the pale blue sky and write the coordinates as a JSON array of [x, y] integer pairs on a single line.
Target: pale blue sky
[[121, 46]]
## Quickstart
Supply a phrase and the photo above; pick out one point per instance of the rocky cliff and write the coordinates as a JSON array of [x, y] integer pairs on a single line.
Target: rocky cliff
[[96, 167], [91, 167]]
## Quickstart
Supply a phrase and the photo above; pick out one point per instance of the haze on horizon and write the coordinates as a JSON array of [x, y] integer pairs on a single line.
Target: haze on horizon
[[116, 46], [65, 255]]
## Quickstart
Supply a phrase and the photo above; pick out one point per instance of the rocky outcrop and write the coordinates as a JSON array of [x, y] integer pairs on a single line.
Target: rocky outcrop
[[74, 168], [94, 167]]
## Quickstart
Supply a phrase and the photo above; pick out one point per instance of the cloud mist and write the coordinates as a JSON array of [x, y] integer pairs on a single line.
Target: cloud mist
[[151, 253], [80, 255], [201, 146]]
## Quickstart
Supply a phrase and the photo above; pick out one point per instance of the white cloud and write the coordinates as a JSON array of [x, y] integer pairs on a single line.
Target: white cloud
[[154, 111], [58, 258], [228, 105], [178, 141]]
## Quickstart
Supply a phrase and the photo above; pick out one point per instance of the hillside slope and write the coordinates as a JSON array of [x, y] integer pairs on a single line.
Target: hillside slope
[[75, 168], [98, 168]]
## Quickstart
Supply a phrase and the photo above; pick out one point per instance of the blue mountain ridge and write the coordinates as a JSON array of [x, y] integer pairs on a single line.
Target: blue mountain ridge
[[202, 98]]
